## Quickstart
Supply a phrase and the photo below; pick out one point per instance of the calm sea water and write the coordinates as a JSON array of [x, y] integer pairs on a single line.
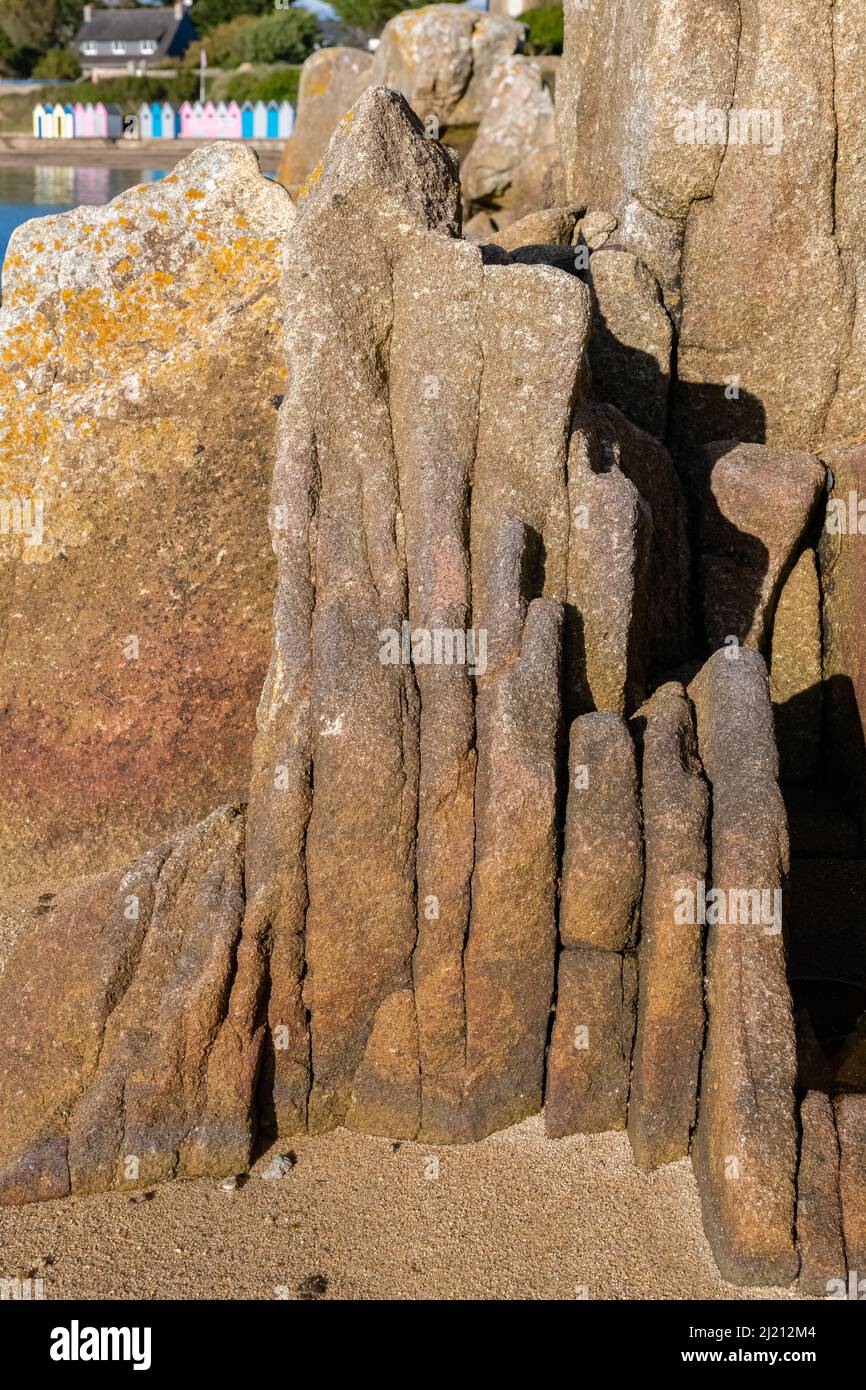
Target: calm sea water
[[34, 192]]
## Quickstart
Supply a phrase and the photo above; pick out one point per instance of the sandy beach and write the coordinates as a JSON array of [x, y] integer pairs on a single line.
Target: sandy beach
[[515, 1217]]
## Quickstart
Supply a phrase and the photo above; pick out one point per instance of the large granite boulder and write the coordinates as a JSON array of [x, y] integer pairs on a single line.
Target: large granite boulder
[[728, 141], [442, 58], [141, 363], [516, 125], [332, 79]]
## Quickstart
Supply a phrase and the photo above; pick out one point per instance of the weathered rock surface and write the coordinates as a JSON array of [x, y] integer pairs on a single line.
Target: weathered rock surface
[[819, 1209], [745, 1149], [517, 123], [547, 227], [850, 1113], [590, 1047], [757, 507], [442, 59], [332, 79], [140, 363], [649, 467], [670, 1011], [471, 555], [602, 862], [795, 672], [609, 558], [688, 124], [144, 1066], [630, 346], [843, 584]]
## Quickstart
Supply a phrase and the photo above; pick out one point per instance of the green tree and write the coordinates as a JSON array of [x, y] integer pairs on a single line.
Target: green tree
[[371, 16], [14, 61], [40, 24], [289, 36], [221, 44], [58, 63], [207, 14], [545, 27]]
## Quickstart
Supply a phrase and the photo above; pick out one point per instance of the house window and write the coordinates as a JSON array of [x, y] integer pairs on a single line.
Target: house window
[[148, 46], [90, 48], [118, 47]]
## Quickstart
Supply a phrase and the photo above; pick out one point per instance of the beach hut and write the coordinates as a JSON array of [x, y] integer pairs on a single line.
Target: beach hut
[[107, 121], [145, 121], [248, 117], [67, 122], [57, 114], [86, 125], [170, 122], [78, 112], [38, 120], [211, 130], [260, 121], [186, 118], [229, 119], [273, 120], [115, 122], [287, 119], [48, 121]]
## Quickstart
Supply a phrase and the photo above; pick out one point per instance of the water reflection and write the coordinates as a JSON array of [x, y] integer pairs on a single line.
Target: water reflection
[[34, 191]]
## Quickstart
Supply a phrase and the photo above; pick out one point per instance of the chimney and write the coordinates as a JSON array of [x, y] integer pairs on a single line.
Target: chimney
[[88, 14], [179, 9]]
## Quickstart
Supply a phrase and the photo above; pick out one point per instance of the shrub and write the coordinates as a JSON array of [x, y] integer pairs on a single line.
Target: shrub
[[289, 36], [58, 64], [129, 92], [545, 29], [220, 44], [274, 86], [209, 14]]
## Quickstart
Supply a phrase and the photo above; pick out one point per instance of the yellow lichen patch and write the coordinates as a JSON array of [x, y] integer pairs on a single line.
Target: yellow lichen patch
[[132, 249], [123, 267], [38, 246], [241, 221], [311, 180], [158, 214], [193, 193]]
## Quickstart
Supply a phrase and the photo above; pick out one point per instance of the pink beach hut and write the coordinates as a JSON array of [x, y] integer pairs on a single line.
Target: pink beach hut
[[78, 114], [229, 118], [88, 121], [211, 129], [187, 112]]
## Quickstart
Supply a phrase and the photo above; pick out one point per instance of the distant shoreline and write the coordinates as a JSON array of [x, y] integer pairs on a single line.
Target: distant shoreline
[[26, 150]]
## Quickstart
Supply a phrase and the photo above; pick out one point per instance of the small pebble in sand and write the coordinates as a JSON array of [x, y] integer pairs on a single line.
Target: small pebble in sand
[[279, 1166], [229, 1185]]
